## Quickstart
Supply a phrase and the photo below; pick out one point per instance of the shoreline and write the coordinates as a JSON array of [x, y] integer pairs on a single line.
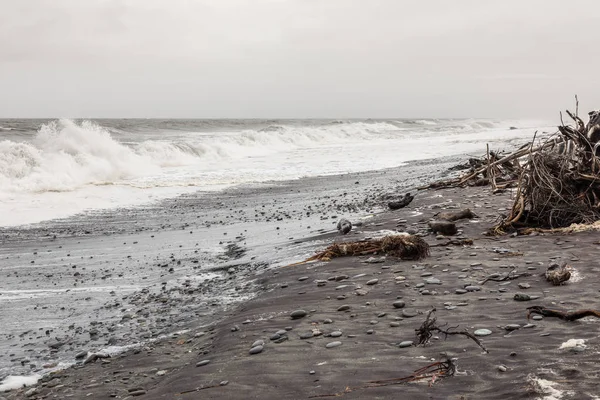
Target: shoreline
[[84, 281], [300, 365]]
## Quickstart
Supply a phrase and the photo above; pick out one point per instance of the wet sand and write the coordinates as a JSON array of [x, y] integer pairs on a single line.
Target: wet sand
[[344, 303]]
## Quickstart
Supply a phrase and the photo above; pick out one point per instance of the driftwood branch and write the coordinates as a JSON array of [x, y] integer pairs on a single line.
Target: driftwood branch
[[507, 277], [564, 315]]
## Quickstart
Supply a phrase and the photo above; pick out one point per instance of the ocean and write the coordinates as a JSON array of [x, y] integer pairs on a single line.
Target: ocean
[[56, 168]]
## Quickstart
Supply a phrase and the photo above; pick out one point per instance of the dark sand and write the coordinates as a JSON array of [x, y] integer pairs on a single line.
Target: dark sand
[[535, 366]]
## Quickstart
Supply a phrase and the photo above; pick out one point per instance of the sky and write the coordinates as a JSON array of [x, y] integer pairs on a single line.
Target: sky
[[297, 58]]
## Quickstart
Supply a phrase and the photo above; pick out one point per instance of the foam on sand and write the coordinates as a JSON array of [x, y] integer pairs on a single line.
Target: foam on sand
[[15, 382], [573, 343]]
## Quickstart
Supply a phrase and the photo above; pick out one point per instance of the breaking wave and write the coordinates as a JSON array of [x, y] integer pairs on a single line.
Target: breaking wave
[[65, 155]]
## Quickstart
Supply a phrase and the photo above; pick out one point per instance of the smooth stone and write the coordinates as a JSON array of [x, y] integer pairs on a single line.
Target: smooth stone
[[419, 285], [406, 343], [370, 332], [306, 335], [537, 317], [524, 285], [202, 363], [394, 324], [372, 281], [502, 368], [522, 297], [328, 321], [262, 342], [332, 345], [399, 304], [433, 281], [512, 327], [482, 332], [303, 278], [256, 350], [527, 326], [336, 334], [424, 274], [298, 314], [409, 313], [472, 288], [460, 291], [345, 307], [426, 292]]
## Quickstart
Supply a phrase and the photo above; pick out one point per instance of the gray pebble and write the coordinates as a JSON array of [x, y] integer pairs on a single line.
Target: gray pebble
[[256, 350], [406, 343], [298, 314], [399, 304], [202, 363], [333, 344]]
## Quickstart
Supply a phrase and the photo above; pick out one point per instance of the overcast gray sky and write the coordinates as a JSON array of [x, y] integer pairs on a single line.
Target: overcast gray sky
[[297, 58]]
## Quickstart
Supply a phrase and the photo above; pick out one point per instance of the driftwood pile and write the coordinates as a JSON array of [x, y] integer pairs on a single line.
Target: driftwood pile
[[557, 180]]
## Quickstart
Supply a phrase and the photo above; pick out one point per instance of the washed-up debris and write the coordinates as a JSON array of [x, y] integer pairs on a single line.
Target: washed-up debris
[[406, 247], [558, 274], [564, 315]]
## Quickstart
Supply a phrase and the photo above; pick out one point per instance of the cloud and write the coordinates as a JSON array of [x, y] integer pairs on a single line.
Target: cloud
[[294, 58]]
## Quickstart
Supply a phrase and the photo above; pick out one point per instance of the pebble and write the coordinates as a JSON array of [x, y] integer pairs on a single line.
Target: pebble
[[537, 317], [303, 278], [311, 372], [394, 324], [472, 288], [345, 307], [424, 274], [262, 342], [502, 368], [370, 332], [406, 343], [512, 327], [336, 334], [373, 281], [522, 297], [399, 304], [460, 291], [256, 350], [408, 313], [202, 363], [482, 332], [298, 314], [331, 345], [306, 335], [524, 285], [433, 281]]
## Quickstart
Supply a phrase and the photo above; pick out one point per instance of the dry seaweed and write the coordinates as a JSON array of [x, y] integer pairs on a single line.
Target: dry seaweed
[[406, 247], [431, 372]]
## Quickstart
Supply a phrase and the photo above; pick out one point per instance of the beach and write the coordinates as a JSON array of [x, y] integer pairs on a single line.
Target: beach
[[370, 305]]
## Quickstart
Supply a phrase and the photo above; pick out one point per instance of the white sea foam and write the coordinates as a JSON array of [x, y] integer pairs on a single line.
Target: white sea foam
[[12, 382], [548, 389], [572, 343]]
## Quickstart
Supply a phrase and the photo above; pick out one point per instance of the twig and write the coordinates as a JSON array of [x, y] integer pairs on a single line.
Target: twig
[[426, 330]]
